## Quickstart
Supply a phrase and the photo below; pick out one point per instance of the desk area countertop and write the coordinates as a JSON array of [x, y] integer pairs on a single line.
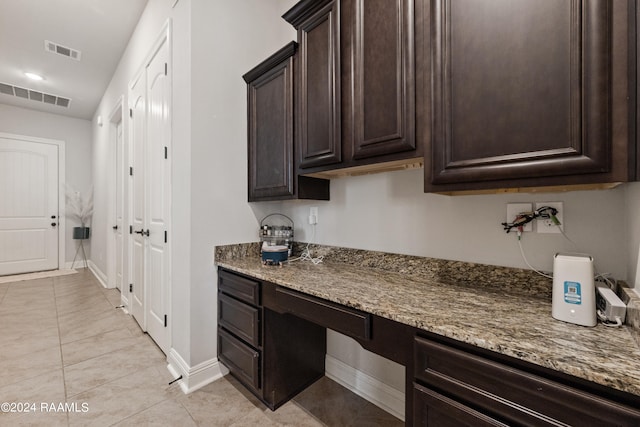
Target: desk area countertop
[[508, 313]]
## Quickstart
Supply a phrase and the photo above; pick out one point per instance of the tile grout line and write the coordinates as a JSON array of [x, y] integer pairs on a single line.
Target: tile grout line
[[64, 379]]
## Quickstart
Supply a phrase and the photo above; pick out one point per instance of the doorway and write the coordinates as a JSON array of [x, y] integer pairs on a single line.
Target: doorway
[[150, 193], [116, 225], [31, 233]]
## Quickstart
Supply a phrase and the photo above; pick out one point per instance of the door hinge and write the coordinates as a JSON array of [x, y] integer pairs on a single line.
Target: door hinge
[[165, 236], [130, 113], [131, 229], [130, 170], [165, 68], [166, 152], [130, 287], [165, 320]]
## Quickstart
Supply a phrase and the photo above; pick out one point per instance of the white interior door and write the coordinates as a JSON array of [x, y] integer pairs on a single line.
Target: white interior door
[[137, 175], [119, 208], [158, 192], [28, 206]]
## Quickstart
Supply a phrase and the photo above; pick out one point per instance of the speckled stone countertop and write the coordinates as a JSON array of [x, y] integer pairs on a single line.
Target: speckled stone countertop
[[511, 318]]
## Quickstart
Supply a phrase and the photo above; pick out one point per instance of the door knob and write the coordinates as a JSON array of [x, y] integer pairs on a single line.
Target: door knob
[[53, 217], [53, 224], [115, 227]]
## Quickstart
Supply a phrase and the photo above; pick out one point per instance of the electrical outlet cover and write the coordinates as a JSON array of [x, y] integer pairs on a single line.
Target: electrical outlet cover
[[513, 209], [544, 225]]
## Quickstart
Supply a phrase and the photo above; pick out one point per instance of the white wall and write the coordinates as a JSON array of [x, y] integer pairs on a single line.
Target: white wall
[[390, 212], [632, 231], [228, 39], [76, 133]]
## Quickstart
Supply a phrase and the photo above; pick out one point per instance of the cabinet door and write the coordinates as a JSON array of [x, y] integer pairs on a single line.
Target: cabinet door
[[520, 89], [242, 360], [270, 126], [318, 109], [382, 96], [433, 409]]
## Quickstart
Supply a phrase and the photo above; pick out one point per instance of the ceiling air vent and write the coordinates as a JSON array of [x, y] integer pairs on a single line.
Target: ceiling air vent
[[34, 95], [52, 47]]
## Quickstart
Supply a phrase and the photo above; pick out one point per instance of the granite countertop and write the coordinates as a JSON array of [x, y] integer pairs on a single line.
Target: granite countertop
[[509, 319]]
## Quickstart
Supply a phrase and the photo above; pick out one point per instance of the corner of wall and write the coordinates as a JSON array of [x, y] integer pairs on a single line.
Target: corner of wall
[[196, 377]]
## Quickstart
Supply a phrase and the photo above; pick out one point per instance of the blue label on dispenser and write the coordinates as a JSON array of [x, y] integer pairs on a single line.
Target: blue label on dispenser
[[572, 293]]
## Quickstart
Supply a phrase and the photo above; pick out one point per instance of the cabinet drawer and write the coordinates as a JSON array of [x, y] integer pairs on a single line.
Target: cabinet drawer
[[242, 360], [241, 319], [334, 316], [240, 287], [433, 409], [512, 394]]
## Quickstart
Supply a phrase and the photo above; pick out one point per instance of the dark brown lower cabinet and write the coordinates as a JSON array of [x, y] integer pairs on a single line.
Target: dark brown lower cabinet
[[274, 355], [430, 408], [273, 340], [455, 387]]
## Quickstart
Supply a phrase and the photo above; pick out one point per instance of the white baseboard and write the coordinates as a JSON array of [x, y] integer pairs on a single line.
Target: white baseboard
[[366, 386], [102, 278], [197, 376]]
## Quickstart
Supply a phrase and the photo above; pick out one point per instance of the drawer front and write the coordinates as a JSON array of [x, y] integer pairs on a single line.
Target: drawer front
[[242, 360], [343, 319], [512, 394], [241, 319], [239, 287], [435, 410]]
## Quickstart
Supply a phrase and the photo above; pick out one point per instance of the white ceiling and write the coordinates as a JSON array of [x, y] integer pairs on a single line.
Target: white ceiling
[[99, 29]]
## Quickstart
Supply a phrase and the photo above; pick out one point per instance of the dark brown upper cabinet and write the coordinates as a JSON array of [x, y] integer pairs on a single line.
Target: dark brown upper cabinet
[[318, 111], [271, 168], [380, 64], [357, 99], [526, 93]]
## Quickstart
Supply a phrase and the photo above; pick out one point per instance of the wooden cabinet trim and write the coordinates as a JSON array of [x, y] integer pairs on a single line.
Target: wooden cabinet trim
[[280, 56], [302, 10]]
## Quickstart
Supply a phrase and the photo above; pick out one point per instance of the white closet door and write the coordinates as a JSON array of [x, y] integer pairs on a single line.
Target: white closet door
[[158, 190], [28, 206], [138, 104], [119, 223]]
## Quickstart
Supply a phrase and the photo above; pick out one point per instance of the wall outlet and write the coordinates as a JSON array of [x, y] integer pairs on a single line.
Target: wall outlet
[[313, 215], [513, 209], [546, 225]]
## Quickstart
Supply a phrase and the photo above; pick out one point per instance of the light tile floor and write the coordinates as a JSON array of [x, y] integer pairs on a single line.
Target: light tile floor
[[62, 341]]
